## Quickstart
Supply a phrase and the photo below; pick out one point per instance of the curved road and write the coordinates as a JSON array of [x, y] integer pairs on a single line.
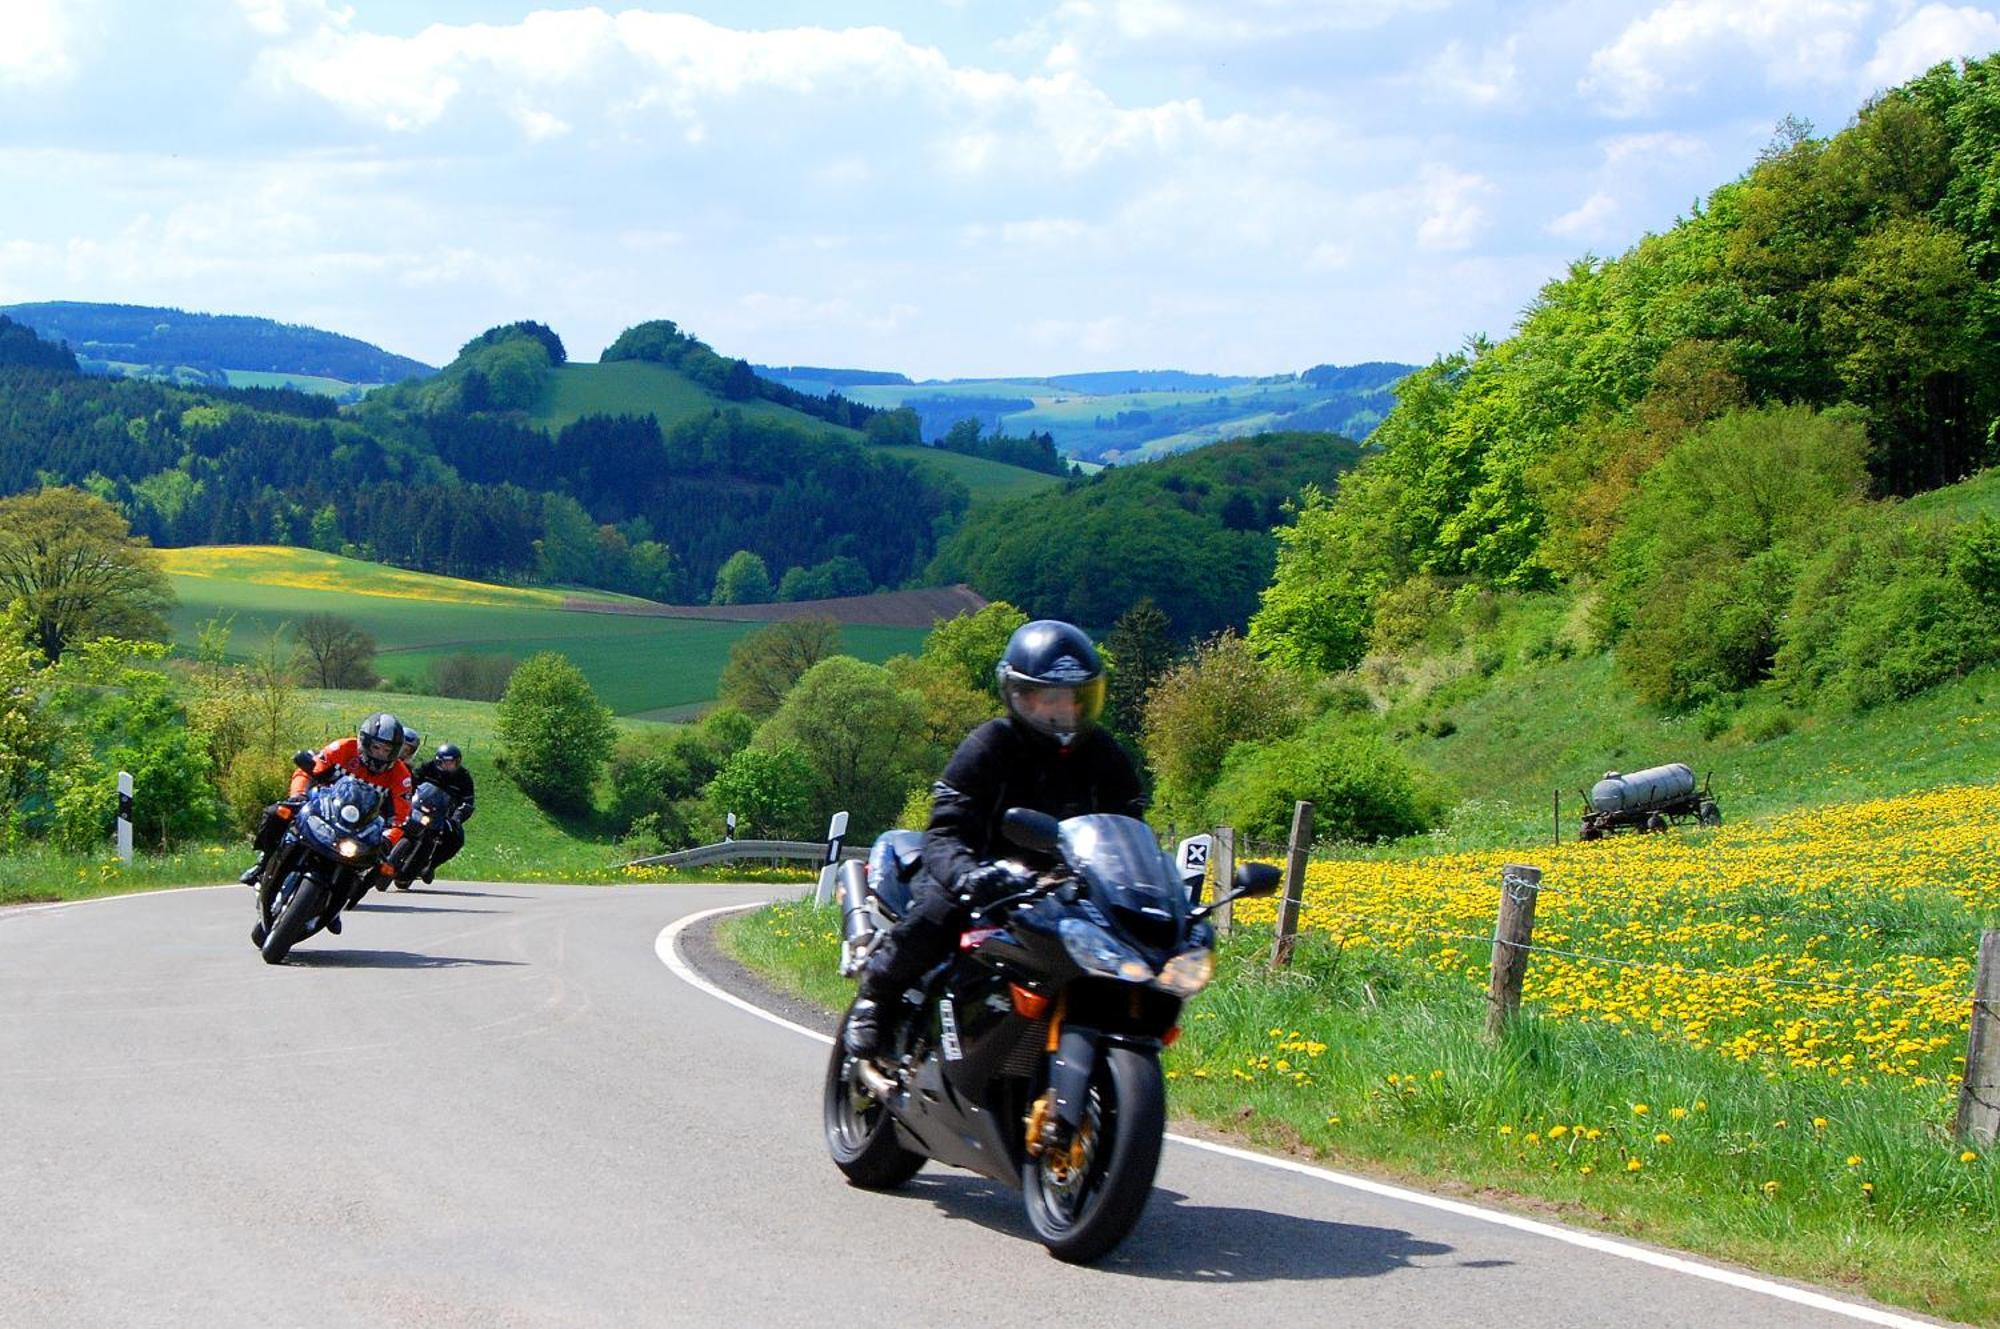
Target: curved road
[[493, 1105]]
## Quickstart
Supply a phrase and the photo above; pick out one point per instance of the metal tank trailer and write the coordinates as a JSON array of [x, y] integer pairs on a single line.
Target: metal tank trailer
[[1648, 800]]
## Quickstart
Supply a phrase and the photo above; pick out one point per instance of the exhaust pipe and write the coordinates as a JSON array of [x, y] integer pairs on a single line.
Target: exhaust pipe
[[857, 923], [878, 1085]]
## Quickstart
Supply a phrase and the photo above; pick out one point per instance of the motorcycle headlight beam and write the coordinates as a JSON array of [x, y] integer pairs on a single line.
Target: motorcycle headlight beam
[[1098, 952], [1188, 972], [349, 848]]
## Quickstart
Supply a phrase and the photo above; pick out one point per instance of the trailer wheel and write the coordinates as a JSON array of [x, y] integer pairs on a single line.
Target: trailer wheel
[[1709, 813], [1655, 822]]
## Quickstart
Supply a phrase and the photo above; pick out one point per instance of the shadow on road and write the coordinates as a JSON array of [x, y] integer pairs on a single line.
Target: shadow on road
[[439, 890], [387, 960], [417, 909], [1186, 1242]]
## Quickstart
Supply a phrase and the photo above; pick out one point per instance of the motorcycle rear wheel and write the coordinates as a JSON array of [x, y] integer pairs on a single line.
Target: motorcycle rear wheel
[[859, 1133], [293, 921], [1096, 1208]]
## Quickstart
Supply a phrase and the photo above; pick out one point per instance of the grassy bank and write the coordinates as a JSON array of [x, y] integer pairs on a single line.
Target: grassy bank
[[1369, 1053]]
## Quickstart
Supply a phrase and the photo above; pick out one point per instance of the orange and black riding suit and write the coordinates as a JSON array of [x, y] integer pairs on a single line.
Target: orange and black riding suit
[[344, 757]]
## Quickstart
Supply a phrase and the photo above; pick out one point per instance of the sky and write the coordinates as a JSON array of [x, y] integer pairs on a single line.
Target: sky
[[941, 187]]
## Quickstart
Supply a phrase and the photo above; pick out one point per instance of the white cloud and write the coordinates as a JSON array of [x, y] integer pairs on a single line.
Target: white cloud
[[1450, 203], [1589, 218], [1489, 78], [1684, 44], [282, 18], [35, 42], [1932, 34]]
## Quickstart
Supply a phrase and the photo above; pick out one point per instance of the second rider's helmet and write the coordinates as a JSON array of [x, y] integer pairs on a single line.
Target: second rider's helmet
[[412, 740], [381, 738], [448, 755], [1052, 680]]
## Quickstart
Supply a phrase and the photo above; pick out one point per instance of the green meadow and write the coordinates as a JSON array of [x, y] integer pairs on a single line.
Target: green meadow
[[640, 666]]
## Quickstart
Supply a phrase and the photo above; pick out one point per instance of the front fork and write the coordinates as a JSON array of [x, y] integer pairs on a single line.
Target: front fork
[[1054, 1118]]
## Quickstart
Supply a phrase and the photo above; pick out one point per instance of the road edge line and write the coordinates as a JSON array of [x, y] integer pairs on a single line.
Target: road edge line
[[667, 946]]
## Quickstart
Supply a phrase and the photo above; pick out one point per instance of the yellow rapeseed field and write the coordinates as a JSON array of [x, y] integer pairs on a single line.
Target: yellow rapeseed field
[[310, 570], [1835, 942]]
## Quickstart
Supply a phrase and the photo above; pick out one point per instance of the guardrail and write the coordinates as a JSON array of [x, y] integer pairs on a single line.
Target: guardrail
[[729, 851]]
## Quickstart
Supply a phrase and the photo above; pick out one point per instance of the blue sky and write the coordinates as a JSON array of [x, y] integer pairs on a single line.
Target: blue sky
[[941, 188]]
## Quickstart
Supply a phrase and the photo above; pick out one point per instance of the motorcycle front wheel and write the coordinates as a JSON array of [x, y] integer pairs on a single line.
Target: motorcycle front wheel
[[293, 921], [1084, 1203], [859, 1133]]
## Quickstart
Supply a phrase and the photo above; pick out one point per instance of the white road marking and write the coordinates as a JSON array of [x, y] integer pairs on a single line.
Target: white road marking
[[666, 946]]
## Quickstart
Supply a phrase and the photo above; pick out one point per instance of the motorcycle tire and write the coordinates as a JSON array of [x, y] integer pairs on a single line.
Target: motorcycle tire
[[293, 921], [1085, 1218], [859, 1133]]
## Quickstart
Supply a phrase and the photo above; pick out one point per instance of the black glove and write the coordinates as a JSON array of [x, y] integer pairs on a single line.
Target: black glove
[[986, 883]]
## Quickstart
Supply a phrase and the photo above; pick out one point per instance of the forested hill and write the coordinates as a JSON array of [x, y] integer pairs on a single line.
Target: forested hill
[[143, 337], [1191, 531], [452, 475], [1701, 444]]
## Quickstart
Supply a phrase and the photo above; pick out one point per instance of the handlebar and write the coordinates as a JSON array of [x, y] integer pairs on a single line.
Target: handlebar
[[1046, 883]]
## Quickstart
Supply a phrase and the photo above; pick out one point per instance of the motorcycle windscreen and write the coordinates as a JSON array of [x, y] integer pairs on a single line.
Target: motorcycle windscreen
[[1122, 861]]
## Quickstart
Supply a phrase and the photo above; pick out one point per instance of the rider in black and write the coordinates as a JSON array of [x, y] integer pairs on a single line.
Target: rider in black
[[447, 771], [1045, 753]]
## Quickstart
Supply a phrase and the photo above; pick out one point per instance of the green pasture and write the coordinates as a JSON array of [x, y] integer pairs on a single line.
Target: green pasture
[[332, 387], [638, 387], [639, 665]]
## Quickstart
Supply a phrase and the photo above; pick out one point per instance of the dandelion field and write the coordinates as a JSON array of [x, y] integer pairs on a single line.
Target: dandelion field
[[1758, 1061]]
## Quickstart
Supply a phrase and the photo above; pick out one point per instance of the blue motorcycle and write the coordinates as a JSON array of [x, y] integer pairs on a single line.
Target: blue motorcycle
[[332, 845]]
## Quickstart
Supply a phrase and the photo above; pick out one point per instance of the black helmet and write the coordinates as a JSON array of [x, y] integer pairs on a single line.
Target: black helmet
[[380, 738], [412, 740], [448, 752], [1051, 679]]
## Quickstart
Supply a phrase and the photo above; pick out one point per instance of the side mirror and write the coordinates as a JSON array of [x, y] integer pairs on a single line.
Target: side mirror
[[1255, 879], [305, 760], [1031, 829]]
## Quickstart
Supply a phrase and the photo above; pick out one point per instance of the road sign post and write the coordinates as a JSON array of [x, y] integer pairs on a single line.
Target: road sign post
[[125, 815], [835, 829]]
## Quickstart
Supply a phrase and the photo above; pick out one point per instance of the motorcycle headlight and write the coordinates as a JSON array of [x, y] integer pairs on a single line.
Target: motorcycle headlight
[[349, 848], [1098, 952], [424, 819], [1188, 972]]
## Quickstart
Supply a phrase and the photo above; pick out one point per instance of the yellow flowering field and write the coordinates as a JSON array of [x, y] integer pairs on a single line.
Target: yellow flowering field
[[310, 570], [1835, 942]]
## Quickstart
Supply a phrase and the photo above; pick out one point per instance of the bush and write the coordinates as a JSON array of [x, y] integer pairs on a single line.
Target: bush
[[554, 733], [771, 790], [1890, 609], [862, 736], [652, 774], [253, 782], [1360, 788], [471, 676], [1220, 695]]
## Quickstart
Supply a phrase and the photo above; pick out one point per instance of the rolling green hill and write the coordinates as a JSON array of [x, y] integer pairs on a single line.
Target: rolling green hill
[[639, 387], [142, 341], [1129, 417], [646, 667]]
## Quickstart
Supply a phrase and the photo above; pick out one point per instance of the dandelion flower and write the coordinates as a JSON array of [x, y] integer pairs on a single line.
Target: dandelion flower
[[1854, 1160], [1663, 1138], [1640, 1109], [1633, 1165], [1968, 1157]]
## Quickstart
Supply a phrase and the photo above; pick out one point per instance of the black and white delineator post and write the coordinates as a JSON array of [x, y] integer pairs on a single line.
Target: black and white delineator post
[[831, 868], [125, 815], [729, 827]]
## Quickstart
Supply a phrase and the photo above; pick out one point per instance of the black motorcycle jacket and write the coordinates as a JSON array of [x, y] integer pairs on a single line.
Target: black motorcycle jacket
[[457, 783], [1002, 765]]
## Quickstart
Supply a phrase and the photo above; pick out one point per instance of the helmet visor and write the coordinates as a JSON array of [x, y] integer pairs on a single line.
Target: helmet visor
[[376, 754], [1061, 710]]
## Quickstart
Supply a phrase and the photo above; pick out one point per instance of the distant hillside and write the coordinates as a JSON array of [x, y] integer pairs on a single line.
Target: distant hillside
[[143, 341], [1130, 415], [1192, 531]]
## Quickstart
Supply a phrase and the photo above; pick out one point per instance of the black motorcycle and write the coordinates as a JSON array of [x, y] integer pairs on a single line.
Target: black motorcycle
[[332, 845], [1034, 1058], [430, 813]]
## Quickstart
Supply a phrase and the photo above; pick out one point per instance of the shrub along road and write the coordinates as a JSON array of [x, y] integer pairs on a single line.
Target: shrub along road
[[490, 1104]]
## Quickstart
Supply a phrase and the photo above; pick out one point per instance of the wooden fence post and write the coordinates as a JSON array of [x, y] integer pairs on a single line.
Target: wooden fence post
[[1222, 867], [1295, 885], [1513, 933], [1979, 1096]]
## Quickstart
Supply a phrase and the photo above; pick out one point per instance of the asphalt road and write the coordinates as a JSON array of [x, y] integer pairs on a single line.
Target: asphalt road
[[493, 1105]]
